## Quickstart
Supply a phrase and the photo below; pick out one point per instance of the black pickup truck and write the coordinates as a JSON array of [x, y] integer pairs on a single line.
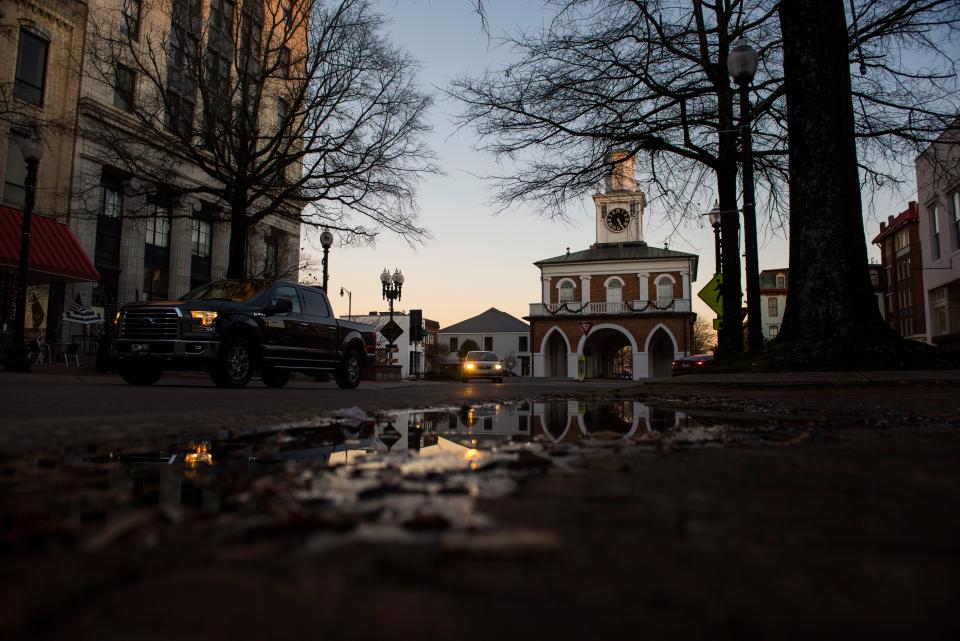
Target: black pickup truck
[[233, 328]]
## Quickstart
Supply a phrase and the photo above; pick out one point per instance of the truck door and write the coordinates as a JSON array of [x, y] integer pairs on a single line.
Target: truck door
[[286, 342], [324, 331]]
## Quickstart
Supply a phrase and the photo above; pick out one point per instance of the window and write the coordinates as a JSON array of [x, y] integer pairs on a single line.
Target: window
[[488, 343], [273, 241], [774, 330], [874, 278], [111, 205], [124, 84], [454, 343], [283, 62], [566, 292], [130, 20], [283, 110], [158, 225], [523, 347], [781, 281], [935, 226], [956, 219], [179, 114], [200, 238], [315, 302], [773, 308], [31, 68], [155, 283], [615, 291], [14, 190], [221, 15], [287, 292], [664, 290], [901, 240]]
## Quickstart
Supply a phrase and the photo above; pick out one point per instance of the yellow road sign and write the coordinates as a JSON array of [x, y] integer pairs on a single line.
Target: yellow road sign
[[712, 295]]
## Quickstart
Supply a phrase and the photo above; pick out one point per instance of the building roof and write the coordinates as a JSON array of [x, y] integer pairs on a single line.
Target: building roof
[[618, 251], [489, 322], [909, 215]]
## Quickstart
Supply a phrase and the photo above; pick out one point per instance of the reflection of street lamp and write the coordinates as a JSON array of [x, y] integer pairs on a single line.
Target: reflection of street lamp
[[742, 65], [714, 216], [17, 359], [392, 287], [326, 240], [349, 301]]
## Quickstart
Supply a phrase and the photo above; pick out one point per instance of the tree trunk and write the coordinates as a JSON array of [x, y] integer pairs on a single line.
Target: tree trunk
[[238, 245], [829, 296]]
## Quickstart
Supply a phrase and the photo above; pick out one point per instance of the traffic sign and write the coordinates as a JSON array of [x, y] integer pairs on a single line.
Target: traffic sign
[[586, 326], [712, 294], [391, 331]]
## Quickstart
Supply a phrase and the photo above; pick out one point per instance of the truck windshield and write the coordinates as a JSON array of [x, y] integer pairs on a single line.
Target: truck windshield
[[235, 290], [482, 356]]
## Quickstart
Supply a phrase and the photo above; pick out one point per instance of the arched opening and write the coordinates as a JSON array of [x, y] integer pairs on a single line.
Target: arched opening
[[555, 356], [616, 417], [609, 353], [660, 353], [555, 419]]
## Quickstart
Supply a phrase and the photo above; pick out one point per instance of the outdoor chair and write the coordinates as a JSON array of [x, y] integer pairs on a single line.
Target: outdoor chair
[[72, 352], [39, 353]]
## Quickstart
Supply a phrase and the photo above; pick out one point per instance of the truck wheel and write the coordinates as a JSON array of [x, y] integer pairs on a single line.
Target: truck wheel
[[274, 377], [141, 375], [348, 370], [235, 363]]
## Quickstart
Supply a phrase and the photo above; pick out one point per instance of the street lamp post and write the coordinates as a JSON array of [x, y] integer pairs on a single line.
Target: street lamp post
[[326, 241], [18, 355], [349, 301], [714, 217], [742, 66], [392, 288]]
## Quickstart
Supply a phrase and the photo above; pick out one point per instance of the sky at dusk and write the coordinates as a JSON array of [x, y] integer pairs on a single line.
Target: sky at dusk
[[477, 259]]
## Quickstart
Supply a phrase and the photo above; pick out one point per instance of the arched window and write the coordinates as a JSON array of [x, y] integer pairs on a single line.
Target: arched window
[[664, 290], [614, 290], [565, 292]]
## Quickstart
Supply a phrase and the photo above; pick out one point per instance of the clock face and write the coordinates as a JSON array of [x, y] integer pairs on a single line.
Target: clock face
[[617, 219]]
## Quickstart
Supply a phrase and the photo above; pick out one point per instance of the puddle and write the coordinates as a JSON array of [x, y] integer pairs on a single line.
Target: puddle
[[405, 476]]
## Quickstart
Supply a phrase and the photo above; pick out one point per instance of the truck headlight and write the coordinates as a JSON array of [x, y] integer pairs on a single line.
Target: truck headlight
[[468, 365], [202, 321], [498, 366]]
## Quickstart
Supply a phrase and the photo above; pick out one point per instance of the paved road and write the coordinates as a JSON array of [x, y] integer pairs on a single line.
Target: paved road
[[42, 411]]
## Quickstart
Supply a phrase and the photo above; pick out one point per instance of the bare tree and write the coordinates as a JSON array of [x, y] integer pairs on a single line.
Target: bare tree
[[296, 109], [704, 338], [649, 76]]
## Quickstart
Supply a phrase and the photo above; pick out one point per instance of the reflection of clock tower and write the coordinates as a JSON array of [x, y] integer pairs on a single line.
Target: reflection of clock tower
[[620, 207]]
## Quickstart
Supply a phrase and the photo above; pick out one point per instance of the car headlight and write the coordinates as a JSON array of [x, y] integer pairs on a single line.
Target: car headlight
[[498, 366], [468, 366], [202, 321]]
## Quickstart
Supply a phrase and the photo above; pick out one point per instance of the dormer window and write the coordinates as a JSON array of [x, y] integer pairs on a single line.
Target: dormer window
[[781, 281]]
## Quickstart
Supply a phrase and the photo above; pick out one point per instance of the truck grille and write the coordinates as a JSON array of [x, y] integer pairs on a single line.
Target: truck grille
[[150, 323]]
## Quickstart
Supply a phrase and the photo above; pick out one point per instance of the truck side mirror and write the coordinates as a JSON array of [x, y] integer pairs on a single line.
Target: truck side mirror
[[280, 306]]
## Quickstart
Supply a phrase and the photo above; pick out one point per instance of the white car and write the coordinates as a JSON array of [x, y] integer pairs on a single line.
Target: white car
[[481, 365]]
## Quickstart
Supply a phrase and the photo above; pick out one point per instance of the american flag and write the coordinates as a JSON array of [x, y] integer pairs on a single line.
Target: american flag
[[80, 313]]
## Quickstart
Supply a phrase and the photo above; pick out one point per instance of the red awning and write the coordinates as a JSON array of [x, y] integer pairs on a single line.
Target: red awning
[[55, 254]]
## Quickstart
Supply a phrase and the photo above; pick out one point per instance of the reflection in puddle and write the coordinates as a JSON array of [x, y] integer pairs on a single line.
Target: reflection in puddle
[[400, 475]]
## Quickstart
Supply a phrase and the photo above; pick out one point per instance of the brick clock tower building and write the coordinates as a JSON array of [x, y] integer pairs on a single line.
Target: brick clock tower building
[[621, 305]]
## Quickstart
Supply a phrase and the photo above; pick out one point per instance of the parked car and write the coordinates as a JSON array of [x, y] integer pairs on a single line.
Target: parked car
[[688, 364], [234, 328], [481, 365]]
